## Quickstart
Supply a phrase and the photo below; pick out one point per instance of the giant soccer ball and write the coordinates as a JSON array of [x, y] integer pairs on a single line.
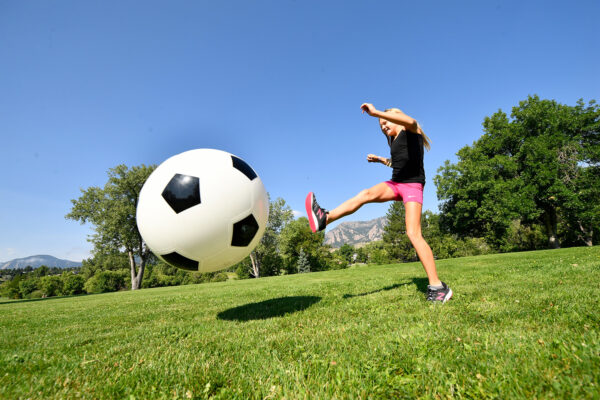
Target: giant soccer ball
[[202, 210]]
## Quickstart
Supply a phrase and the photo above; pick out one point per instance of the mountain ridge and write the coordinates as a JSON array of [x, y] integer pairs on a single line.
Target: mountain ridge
[[37, 261], [356, 232]]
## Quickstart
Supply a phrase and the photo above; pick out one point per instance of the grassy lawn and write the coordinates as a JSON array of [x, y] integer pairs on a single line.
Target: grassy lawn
[[521, 325]]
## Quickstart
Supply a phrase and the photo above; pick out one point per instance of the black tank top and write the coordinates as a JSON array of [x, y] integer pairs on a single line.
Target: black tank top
[[407, 158]]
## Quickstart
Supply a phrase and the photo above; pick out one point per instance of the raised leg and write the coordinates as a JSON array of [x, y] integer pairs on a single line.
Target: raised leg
[[379, 193]]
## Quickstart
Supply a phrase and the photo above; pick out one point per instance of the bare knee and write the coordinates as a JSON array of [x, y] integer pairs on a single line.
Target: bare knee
[[365, 196], [414, 235]]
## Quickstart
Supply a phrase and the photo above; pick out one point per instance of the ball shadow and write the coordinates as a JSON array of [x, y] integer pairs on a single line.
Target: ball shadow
[[268, 308]]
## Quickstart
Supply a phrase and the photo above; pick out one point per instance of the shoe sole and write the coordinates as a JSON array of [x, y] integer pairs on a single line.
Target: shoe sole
[[312, 217]]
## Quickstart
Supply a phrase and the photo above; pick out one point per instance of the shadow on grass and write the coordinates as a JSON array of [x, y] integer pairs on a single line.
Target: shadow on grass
[[268, 308], [41, 299], [421, 284]]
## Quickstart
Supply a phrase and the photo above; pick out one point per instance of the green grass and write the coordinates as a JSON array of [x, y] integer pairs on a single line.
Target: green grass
[[521, 325]]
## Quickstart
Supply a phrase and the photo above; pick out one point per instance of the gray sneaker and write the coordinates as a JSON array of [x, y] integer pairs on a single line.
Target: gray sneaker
[[444, 294]]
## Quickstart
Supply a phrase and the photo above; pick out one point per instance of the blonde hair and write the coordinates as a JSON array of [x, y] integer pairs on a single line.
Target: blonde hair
[[426, 140]]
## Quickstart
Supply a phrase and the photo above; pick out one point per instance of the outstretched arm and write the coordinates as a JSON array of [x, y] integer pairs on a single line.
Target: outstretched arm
[[384, 161], [409, 123]]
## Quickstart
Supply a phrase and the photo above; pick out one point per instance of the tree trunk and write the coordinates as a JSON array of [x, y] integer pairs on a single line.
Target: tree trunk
[[255, 265], [136, 278], [588, 235], [551, 227]]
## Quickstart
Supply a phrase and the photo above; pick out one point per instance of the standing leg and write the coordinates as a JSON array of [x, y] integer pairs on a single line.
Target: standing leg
[[413, 230]]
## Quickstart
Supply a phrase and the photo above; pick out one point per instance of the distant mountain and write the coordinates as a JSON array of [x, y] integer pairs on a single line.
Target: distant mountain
[[354, 233], [37, 261]]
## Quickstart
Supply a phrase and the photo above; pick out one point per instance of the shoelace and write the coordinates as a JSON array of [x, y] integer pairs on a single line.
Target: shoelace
[[431, 294]]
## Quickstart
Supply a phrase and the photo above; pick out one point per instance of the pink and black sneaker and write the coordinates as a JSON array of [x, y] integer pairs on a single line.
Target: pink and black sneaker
[[442, 294], [317, 216]]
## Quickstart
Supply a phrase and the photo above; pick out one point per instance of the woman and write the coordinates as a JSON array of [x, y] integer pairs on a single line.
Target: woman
[[406, 140]]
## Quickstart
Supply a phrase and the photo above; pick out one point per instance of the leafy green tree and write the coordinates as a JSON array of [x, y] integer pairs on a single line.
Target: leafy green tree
[[106, 260], [42, 270], [376, 253], [243, 269], [28, 286], [51, 285], [337, 261], [72, 283], [445, 245], [112, 211], [362, 255], [106, 281], [297, 235], [540, 167], [11, 288], [521, 236], [265, 259], [346, 253]]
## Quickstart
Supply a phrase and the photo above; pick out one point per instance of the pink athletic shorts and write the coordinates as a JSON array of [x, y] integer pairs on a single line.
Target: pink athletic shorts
[[407, 191]]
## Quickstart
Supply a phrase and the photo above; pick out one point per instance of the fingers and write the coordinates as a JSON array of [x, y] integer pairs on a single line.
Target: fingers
[[367, 107]]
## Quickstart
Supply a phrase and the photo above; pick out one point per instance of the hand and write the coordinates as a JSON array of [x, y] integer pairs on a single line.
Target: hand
[[368, 108], [373, 158]]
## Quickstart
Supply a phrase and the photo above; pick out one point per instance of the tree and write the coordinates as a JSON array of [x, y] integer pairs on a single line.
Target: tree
[[106, 260], [11, 288], [396, 243], [28, 286], [376, 252], [72, 283], [265, 258], [540, 167], [346, 252], [51, 285], [42, 270], [106, 281], [112, 212], [296, 236], [303, 263]]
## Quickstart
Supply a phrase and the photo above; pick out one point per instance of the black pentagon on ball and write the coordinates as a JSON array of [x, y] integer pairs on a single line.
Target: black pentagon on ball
[[182, 192], [179, 261], [244, 231], [243, 167]]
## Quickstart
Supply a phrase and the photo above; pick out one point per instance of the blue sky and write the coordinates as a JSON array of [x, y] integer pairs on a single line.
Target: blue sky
[[85, 86]]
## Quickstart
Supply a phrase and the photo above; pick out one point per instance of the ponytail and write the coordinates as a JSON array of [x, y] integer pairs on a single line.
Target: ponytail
[[426, 140]]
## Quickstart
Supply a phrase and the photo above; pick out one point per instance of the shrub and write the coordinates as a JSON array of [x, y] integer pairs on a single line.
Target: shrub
[[151, 281], [36, 294], [218, 277], [73, 284], [27, 286], [524, 237], [106, 281], [51, 285], [10, 288]]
